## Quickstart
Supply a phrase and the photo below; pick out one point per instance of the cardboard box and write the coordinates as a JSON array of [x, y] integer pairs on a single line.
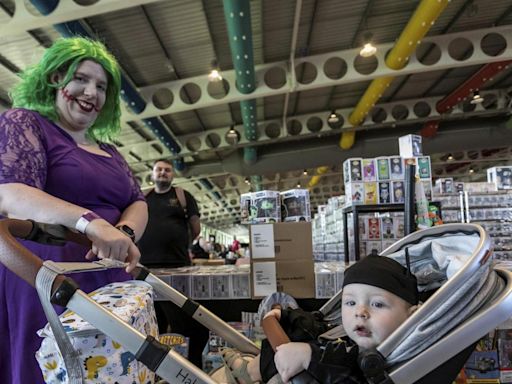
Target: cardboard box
[[295, 205], [282, 259], [410, 146]]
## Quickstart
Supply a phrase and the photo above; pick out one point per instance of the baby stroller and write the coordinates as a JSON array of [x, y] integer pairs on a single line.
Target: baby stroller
[[471, 298], [432, 337]]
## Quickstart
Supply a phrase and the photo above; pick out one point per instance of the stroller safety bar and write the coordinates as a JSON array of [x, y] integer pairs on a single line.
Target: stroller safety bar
[[173, 368]]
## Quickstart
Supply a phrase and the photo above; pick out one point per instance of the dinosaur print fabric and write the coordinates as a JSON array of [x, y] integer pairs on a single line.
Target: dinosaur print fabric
[[103, 360]]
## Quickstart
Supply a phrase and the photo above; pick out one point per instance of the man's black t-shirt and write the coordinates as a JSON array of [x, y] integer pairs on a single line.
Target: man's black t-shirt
[[166, 239]]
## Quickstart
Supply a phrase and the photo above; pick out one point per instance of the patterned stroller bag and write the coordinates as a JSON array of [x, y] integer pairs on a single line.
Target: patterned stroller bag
[[101, 358]]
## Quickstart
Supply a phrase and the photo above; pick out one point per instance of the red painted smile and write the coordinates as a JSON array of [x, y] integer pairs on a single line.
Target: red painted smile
[[84, 105]]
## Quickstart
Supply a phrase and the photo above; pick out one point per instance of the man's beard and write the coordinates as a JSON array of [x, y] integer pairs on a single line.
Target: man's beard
[[161, 184]]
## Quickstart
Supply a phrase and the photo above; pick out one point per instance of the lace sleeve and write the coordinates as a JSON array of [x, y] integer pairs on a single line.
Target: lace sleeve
[[135, 191], [22, 150]]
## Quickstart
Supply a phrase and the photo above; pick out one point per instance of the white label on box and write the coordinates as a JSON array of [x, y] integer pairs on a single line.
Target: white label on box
[[264, 278], [262, 241]]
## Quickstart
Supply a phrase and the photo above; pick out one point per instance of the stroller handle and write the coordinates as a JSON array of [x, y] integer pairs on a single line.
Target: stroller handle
[[276, 337], [15, 256]]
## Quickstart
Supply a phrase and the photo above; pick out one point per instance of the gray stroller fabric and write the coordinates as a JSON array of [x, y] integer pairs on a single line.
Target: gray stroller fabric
[[435, 257], [434, 260]]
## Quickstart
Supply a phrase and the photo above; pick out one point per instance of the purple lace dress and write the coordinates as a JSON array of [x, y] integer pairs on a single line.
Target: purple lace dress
[[36, 152]]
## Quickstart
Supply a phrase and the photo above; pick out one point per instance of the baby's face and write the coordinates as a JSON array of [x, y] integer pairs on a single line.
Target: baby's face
[[370, 314]]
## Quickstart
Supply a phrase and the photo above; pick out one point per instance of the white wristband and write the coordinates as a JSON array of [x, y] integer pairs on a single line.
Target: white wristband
[[84, 221]]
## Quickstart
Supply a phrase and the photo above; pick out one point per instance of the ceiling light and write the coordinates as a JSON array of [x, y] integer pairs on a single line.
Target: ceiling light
[[305, 172], [247, 180], [450, 157], [232, 136], [477, 99], [368, 49], [334, 120], [298, 185], [214, 75], [471, 170]]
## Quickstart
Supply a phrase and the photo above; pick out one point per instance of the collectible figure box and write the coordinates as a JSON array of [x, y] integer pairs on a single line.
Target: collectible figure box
[[240, 285], [370, 193], [369, 171], [398, 192], [295, 205], [396, 168], [325, 283], [427, 188], [410, 146], [353, 170], [181, 282], [382, 168], [354, 193], [423, 167], [387, 228], [220, 286], [200, 286], [445, 185], [384, 192], [501, 177], [373, 226], [266, 207], [245, 208]]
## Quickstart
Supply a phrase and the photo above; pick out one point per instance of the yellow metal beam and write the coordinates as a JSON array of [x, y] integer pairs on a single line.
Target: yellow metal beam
[[417, 27]]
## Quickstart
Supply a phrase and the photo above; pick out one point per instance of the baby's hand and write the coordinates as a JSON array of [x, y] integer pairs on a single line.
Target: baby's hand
[[291, 359], [276, 312]]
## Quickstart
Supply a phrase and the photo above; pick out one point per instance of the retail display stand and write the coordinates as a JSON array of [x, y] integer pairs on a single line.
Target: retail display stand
[[491, 210], [355, 211]]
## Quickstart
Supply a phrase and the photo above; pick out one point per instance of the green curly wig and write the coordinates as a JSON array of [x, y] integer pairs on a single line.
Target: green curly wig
[[36, 91]]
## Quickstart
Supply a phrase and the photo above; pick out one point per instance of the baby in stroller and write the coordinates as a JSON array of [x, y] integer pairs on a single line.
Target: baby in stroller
[[378, 295]]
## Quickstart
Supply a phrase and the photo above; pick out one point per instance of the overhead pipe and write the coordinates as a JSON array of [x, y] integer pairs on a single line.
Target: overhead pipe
[[474, 83], [237, 14], [316, 178], [129, 94], [420, 23], [291, 62], [256, 181]]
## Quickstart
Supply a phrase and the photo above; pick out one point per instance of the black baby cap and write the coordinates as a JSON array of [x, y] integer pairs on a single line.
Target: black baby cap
[[385, 273]]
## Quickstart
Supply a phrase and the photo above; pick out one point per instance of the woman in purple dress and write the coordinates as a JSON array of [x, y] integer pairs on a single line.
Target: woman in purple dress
[[56, 167]]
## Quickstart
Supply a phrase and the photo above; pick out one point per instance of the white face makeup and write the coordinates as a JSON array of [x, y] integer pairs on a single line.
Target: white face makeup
[[81, 100], [370, 314]]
